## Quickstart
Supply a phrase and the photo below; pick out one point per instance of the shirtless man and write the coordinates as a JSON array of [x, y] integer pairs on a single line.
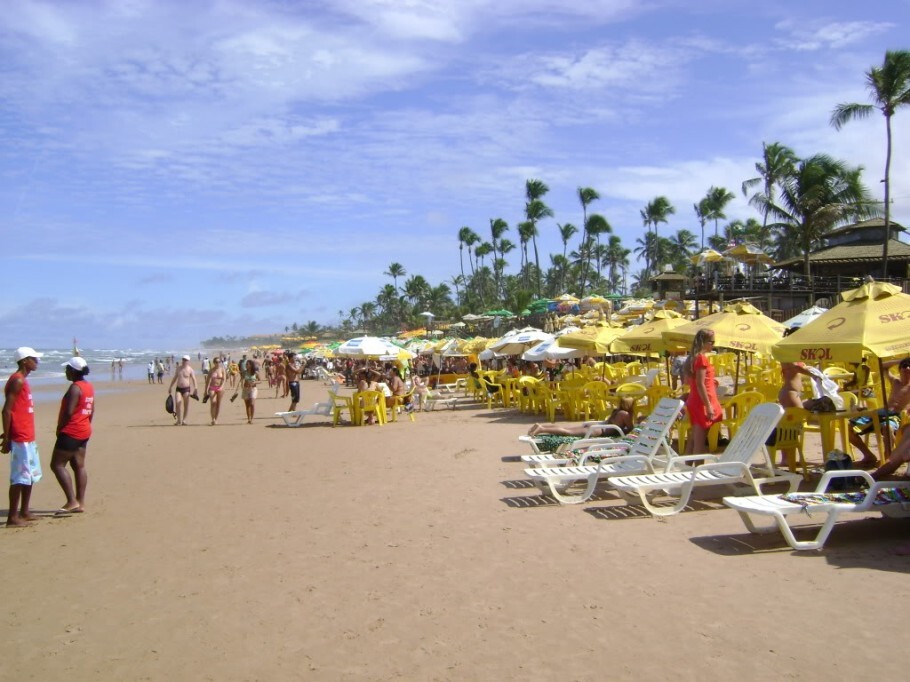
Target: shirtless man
[[898, 401], [185, 379], [292, 373]]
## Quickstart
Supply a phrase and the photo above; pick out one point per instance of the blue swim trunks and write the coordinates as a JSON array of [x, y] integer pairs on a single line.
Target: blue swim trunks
[[863, 425], [24, 464]]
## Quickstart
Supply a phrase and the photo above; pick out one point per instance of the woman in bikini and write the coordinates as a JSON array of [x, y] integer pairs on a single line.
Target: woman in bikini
[[249, 379], [214, 387]]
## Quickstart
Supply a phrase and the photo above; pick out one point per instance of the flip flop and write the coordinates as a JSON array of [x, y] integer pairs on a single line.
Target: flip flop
[[66, 512]]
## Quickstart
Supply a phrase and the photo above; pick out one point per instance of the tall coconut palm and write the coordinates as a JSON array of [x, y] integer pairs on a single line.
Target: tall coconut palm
[[716, 201], [818, 195], [466, 239], [586, 195], [615, 256], [701, 213], [777, 162], [889, 87], [596, 226], [498, 227], [395, 271], [525, 230], [535, 211], [654, 213]]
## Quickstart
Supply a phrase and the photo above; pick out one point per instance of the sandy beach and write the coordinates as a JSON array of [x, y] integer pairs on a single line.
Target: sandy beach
[[413, 551]]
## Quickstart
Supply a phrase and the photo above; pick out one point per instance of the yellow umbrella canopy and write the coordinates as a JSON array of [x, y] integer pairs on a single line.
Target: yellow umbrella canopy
[[871, 320], [748, 253], [647, 338], [707, 256], [741, 326], [594, 339]]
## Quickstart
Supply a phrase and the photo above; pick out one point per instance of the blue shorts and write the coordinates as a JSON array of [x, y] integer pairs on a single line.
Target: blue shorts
[[863, 425], [24, 464]]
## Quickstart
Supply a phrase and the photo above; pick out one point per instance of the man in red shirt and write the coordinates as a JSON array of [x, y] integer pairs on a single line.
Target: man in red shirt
[[74, 428], [19, 437]]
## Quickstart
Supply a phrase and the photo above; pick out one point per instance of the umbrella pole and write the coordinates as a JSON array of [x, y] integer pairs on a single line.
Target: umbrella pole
[[736, 374], [886, 432]]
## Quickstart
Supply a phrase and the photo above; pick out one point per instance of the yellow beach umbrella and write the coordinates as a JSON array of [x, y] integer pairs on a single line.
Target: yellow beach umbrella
[[595, 340], [647, 339], [871, 320], [740, 326], [707, 256]]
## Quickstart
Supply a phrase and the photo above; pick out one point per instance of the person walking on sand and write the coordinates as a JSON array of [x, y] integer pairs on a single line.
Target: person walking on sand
[[74, 428], [702, 405], [214, 388], [18, 438], [249, 378], [292, 371], [185, 380]]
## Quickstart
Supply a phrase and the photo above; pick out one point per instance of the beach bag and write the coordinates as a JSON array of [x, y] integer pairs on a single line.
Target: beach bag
[[823, 404], [169, 404], [839, 460]]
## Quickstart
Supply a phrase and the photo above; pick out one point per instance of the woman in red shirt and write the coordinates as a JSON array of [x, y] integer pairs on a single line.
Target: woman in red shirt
[[74, 428], [702, 405]]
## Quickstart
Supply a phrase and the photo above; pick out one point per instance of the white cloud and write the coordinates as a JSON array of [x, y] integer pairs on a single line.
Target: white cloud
[[818, 34]]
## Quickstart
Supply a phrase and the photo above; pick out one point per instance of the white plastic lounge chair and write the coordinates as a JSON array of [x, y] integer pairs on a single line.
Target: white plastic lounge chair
[[650, 449], [663, 411], [891, 498], [296, 417], [733, 466]]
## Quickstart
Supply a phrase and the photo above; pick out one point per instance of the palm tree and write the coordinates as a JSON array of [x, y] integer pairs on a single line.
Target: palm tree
[[465, 239], [615, 256], [656, 212], [395, 271], [367, 311], [596, 226], [681, 246], [525, 230], [817, 195], [498, 227], [536, 210], [701, 212], [777, 162], [585, 195], [716, 201], [889, 86]]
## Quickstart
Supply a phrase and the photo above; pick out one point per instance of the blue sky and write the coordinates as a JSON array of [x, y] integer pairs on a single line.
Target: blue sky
[[177, 170]]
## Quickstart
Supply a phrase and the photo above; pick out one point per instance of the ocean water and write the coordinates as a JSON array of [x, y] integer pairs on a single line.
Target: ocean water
[[135, 362]]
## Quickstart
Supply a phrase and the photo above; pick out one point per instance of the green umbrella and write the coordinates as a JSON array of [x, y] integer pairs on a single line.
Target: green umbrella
[[500, 313]]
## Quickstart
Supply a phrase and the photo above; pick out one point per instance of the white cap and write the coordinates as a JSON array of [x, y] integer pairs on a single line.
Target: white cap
[[77, 363], [26, 352], [185, 357]]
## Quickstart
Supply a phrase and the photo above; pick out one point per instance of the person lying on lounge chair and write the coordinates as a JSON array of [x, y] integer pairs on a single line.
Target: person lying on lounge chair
[[621, 417]]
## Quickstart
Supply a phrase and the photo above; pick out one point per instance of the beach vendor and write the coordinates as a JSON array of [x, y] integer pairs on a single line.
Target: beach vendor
[[889, 417], [74, 428], [18, 438]]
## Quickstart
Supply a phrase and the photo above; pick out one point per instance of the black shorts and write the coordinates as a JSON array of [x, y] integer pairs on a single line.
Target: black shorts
[[69, 444], [295, 391]]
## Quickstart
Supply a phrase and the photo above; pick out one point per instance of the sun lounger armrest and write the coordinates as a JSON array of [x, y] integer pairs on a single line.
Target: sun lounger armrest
[[624, 459], [685, 459], [846, 473]]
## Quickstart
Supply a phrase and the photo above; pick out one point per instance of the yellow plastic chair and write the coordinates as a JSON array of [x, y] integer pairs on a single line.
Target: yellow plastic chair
[[370, 402], [735, 411], [634, 391], [546, 401], [399, 401], [593, 401], [524, 393], [340, 405], [491, 392], [790, 436]]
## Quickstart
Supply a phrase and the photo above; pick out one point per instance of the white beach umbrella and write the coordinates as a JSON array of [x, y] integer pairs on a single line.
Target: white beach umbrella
[[550, 350], [520, 342], [367, 347], [805, 317]]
